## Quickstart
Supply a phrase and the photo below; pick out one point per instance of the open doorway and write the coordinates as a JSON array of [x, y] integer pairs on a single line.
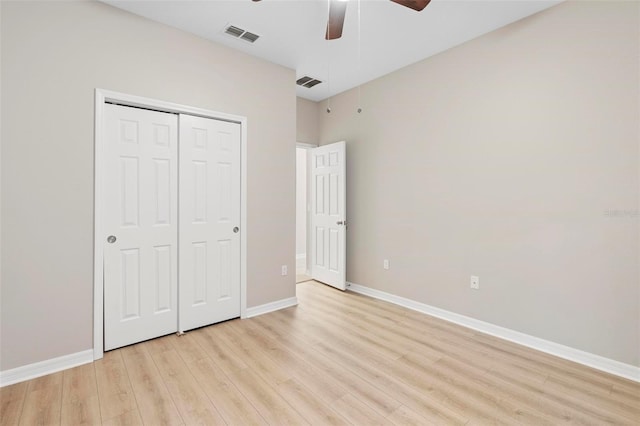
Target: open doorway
[[302, 212]]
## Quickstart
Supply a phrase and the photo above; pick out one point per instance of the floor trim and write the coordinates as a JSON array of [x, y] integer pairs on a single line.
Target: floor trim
[[270, 307], [591, 360], [42, 368]]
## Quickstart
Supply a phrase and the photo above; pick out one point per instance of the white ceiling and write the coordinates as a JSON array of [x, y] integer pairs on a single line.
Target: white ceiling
[[292, 32]]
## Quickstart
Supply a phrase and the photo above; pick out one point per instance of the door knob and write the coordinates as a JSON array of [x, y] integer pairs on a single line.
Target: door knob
[[111, 239], [236, 229], [341, 222]]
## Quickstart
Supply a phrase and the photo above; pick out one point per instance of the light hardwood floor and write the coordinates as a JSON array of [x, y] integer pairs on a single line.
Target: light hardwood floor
[[336, 358]]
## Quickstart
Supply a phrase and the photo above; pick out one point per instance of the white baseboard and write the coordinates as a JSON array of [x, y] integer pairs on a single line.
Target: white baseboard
[[270, 307], [591, 360], [42, 368]]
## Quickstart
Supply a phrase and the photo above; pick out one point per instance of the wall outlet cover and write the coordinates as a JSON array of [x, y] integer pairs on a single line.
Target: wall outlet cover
[[475, 282]]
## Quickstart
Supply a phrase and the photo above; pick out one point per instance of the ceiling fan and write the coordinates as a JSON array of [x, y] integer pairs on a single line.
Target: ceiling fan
[[338, 8]]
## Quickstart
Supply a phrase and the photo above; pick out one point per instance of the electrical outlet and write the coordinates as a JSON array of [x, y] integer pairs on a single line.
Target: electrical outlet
[[385, 264], [284, 270], [475, 282]]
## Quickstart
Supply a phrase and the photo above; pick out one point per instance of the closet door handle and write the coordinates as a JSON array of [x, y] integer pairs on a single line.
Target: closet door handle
[[111, 239], [236, 229]]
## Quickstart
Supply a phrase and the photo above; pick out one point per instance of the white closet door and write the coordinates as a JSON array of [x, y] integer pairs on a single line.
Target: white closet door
[[209, 221], [140, 223]]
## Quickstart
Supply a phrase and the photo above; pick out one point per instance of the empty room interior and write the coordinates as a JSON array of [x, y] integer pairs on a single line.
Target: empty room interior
[[320, 212]]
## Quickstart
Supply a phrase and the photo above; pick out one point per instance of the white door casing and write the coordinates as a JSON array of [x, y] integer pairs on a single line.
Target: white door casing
[[140, 211], [328, 214], [209, 206], [103, 99]]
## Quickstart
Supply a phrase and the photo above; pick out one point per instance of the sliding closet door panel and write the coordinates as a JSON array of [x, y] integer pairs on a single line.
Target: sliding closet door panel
[[209, 221], [140, 222]]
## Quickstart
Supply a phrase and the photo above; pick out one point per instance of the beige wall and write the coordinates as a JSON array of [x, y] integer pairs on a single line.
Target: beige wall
[[500, 158], [54, 54], [307, 121]]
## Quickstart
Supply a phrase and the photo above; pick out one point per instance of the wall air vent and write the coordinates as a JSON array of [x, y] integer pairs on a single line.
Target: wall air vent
[[236, 32], [307, 82]]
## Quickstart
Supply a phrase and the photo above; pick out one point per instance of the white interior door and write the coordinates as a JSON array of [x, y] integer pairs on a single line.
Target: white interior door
[[209, 221], [140, 224], [328, 214]]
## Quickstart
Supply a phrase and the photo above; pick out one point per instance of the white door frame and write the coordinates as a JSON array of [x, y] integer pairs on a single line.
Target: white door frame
[[102, 96], [342, 279], [307, 146]]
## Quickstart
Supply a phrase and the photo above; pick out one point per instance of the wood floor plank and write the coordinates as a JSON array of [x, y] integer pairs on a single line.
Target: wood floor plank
[[404, 416], [597, 408], [357, 412], [207, 338], [546, 362], [363, 390], [160, 344], [188, 348], [114, 388], [170, 363], [80, 404], [523, 403], [252, 355], [233, 406], [629, 396], [420, 398], [153, 400], [15, 391], [129, 418], [11, 402], [190, 399], [81, 411], [531, 394], [79, 383], [305, 402], [271, 406], [463, 392], [43, 401], [50, 380], [359, 328], [323, 386]]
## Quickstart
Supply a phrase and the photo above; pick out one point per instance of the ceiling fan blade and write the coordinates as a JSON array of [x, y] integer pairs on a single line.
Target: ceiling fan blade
[[413, 4], [337, 10]]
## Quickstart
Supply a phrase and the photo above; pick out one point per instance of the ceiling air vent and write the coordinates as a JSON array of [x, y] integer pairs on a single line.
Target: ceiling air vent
[[250, 37], [307, 82], [241, 34]]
